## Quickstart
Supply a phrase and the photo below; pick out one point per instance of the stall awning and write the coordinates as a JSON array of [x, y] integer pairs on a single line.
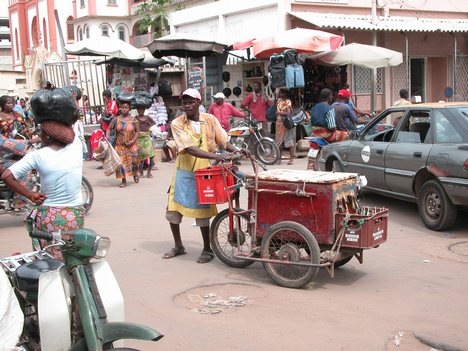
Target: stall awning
[[393, 23]]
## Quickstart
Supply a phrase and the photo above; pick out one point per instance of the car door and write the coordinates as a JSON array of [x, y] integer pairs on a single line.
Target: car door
[[408, 151], [366, 155]]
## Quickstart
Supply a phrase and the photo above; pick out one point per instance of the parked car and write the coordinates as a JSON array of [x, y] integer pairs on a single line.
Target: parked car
[[422, 157]]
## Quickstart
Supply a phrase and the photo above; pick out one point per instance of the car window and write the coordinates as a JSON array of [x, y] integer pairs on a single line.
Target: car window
[[378, 126], [445, 132], [415, 128]]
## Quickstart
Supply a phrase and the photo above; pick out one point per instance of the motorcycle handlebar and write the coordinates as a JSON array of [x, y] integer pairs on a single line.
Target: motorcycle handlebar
[[42, 235]]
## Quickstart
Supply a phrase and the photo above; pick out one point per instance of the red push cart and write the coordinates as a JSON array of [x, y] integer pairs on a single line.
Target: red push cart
[[296, 222]]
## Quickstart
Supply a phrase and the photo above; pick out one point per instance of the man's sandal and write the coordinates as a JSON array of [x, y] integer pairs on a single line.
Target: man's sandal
[[175, 251]]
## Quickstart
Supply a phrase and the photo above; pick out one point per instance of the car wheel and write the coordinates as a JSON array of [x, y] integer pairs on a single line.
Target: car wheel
[[336, 166], [435, 208]]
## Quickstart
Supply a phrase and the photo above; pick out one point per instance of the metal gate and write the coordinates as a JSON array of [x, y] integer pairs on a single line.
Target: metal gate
[[84, 74]]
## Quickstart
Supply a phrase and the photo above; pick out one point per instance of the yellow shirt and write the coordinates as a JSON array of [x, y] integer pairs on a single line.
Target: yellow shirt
[[182, 195]]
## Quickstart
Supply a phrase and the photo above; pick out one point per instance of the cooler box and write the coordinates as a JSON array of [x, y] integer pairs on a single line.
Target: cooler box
[[211, 188], [306, 197]]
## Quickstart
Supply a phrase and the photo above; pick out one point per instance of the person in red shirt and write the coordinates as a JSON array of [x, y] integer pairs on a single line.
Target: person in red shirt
[[111, 110], [256, 104], [223, 111]]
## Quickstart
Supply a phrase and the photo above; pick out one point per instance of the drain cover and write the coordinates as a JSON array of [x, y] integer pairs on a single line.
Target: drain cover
[[460, 248]]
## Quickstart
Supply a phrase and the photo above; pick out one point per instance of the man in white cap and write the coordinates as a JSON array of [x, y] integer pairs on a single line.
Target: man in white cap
[[223, 111], [197, 136]]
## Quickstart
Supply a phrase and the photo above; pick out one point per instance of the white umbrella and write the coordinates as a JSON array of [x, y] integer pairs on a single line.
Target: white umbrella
[[369, 56], [105, 46]]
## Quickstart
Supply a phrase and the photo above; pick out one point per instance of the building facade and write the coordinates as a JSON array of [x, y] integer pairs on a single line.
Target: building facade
[[432, 37]]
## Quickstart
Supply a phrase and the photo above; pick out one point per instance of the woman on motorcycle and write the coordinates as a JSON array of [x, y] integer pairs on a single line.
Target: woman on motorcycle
[[59, 204]]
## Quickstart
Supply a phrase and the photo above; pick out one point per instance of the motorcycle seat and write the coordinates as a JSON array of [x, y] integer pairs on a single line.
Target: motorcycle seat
[[27, 276]]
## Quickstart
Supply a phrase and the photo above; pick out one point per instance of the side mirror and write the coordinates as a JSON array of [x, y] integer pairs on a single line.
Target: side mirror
[[353, 134]]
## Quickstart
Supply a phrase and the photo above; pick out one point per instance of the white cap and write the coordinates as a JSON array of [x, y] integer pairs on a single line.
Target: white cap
[[219, 96]]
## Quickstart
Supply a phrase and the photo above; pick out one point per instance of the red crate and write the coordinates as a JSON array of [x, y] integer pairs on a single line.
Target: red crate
[[210, 184], [364, 231]]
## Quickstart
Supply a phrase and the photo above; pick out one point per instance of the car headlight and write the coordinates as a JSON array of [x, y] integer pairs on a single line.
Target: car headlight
[[101, 247]]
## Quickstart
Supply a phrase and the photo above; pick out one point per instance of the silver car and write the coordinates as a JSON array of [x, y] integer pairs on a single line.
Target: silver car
[[417, 153]]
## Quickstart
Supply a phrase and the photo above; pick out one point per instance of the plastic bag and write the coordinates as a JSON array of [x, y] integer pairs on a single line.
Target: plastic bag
[[126, 97], [271, 113], [142, 99], [288, 122], [111, 160], [55, 104]]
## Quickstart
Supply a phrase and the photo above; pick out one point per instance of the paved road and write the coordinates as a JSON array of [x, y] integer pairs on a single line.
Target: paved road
[[411, 284]]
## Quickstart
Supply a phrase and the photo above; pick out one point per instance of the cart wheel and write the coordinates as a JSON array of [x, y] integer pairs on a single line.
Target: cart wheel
[[342, 262], [290, 241], [225, 248]]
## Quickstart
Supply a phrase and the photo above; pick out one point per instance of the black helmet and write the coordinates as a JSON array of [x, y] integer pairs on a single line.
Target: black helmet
[[227, 92], [226, 76], [237, 91]]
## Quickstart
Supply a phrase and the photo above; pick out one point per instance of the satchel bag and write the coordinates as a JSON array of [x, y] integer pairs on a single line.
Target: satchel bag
[[298, 115], [288, 122], [271, 113]]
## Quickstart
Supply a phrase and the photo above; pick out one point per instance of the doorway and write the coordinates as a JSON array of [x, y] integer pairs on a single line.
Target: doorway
[[418, 78]]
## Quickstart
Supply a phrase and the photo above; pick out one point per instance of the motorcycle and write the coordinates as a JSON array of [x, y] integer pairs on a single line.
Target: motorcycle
[[247, 135], [74, 304]]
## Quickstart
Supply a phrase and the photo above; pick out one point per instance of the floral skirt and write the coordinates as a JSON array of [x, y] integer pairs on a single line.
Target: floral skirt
[[50, 219], [145, 147]]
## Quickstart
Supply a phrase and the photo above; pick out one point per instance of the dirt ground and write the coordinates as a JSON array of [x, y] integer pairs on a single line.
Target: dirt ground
[[410, 294]]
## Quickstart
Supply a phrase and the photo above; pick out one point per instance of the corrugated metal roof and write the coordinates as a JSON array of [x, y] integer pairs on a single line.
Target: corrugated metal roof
[[394, 23]]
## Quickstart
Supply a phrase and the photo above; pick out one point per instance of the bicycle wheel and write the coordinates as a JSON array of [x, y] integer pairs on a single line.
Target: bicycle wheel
[[290, 242], [87, 194], [223, 247]]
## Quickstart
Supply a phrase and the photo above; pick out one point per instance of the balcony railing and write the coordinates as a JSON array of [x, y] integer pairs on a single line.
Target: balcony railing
[[140, 41]]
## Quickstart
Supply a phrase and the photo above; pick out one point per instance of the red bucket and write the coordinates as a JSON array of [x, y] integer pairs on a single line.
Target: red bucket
[[210, 184]]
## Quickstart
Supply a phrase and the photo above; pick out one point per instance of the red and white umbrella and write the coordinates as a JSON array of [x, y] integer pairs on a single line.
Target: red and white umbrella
[[300, 39]]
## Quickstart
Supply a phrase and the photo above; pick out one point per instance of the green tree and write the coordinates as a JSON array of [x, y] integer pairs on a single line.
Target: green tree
[[155, 15]]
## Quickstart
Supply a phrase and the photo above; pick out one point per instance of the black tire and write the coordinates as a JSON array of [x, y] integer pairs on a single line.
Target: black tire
[[267, 151], [342, 262], [336, 167], [435, 208], [222, 246], [87, 193], [298, 243]]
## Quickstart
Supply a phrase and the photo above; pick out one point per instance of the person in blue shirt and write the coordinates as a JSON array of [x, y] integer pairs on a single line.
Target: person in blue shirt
[[322, 118]]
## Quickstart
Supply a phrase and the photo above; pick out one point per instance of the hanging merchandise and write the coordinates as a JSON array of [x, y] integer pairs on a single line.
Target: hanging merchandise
[[227, 92], [237, 91], [291, 57], [294, 76], [277, 71], [164, 88]]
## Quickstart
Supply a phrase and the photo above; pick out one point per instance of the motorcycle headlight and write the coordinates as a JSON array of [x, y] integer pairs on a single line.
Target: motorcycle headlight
[[101, 247]]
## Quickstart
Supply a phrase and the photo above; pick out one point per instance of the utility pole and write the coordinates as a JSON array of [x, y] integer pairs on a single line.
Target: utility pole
[[374, 70]]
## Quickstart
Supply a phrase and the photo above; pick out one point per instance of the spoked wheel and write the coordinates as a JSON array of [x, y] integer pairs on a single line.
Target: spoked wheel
[[290, 242], [87, 194], [225, 247], [268, 152]]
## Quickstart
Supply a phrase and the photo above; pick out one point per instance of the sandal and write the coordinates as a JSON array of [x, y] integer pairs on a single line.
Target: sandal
[[205, 257], [175, 251], [290, 163], [149, 175], [136, 178], [123, 185]]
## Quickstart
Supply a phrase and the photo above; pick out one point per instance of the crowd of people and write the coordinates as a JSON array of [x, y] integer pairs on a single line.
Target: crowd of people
[[196, 137]]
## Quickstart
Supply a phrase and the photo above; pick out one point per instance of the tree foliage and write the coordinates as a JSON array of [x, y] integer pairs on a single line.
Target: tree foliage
[[155, 16]]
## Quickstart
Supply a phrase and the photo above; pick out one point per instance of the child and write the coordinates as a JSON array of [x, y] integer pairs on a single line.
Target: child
[[145, 147]]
